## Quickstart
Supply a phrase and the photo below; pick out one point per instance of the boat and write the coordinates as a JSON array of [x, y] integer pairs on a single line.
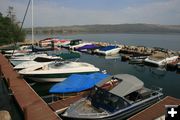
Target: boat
[[40, 61], [74, 47], [40, 49], [32, 63], [77, 83], [54, 40], [160, 59], [124, 99], [72, 43], [137, 60], [28, 57], [57, 71], [22, 50], [109, 50], [86, 48], [178, 67]]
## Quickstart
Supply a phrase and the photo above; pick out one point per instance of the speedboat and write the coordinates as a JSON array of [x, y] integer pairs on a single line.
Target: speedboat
[[109, 50], [137, 60], [36, 62], [56, 41], [160, 59], [120, 101], [15, 60], [21, 49], [79, 45], [30, 57], [57, 71], [87, 48], [40, 61]]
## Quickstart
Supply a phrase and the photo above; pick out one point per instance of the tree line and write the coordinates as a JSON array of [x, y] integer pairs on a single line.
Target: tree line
[[10, 31]]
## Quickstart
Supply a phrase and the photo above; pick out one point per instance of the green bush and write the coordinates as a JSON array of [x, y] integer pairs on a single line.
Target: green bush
[[10, 31]]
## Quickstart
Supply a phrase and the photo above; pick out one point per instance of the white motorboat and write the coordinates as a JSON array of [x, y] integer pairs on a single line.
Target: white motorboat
[[18, 60], [31, 63], [160, 59], [57, 71], [109, 50]]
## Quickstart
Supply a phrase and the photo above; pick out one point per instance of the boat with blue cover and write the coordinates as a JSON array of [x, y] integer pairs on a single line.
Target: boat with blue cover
[[77, 83], [127, 97], [109, 50], [87, 48]]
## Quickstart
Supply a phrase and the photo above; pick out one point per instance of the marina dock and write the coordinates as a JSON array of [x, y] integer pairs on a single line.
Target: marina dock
[[60, 105], [156, 111], [31, 104]]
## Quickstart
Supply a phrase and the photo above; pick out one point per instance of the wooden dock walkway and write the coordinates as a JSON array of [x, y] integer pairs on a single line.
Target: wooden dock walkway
[[157, 110], [60, 105], [31, 104]]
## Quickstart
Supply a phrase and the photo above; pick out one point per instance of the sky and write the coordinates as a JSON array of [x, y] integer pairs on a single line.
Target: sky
[[83, 12]]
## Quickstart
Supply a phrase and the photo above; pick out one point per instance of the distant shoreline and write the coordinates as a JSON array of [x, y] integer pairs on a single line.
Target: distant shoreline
[[103, 29]]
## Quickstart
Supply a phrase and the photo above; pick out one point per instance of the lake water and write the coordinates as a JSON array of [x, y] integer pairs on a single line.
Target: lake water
[[169, 41], [169, 81]]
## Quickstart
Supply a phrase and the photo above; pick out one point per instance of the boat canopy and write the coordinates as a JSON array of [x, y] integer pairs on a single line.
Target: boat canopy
[[108, 48], [77, 83], [128, 85]]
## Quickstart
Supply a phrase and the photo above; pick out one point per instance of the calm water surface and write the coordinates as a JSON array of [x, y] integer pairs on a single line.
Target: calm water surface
[[169, 81]]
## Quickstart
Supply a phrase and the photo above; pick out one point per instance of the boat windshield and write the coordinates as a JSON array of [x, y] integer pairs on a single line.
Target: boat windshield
[[103, 99]]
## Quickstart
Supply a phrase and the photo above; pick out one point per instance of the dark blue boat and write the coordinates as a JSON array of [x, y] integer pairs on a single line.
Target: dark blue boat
[[108, 48], [77, 83]]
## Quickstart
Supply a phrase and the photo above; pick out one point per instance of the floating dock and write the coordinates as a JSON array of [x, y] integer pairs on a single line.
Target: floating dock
[[31, 104], [61, 105], [156, 111]]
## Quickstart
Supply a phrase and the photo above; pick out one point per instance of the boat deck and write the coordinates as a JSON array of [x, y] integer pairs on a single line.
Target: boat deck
[[157, 110], [31, 104]]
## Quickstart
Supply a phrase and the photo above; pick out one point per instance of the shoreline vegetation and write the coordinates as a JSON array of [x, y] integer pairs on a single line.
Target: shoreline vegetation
[[116, 28]]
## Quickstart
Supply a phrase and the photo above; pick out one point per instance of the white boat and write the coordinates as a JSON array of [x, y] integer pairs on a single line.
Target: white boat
[[57, 71], [160, 59], [109, 50], [24, 48], [18, 60], [28, 64]]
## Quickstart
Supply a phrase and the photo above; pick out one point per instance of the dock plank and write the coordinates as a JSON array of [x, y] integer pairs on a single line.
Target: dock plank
[[157, 110], [60, 105]]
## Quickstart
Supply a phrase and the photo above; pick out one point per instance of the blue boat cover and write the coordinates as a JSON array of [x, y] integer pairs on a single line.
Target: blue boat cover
[[88, 47], [77, 83], [107, 48]]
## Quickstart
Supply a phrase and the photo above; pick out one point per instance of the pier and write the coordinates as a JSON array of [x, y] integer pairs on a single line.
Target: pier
[[61, 105], [156, 111], [31, 104]]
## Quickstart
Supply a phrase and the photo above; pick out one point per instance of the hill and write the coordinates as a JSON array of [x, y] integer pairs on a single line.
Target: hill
[[118, 28]]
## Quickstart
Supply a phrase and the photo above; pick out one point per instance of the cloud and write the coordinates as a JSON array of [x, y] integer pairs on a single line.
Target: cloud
[[49, 13]]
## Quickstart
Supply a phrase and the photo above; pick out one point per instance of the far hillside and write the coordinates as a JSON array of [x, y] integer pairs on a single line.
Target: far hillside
[[118, 28]]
